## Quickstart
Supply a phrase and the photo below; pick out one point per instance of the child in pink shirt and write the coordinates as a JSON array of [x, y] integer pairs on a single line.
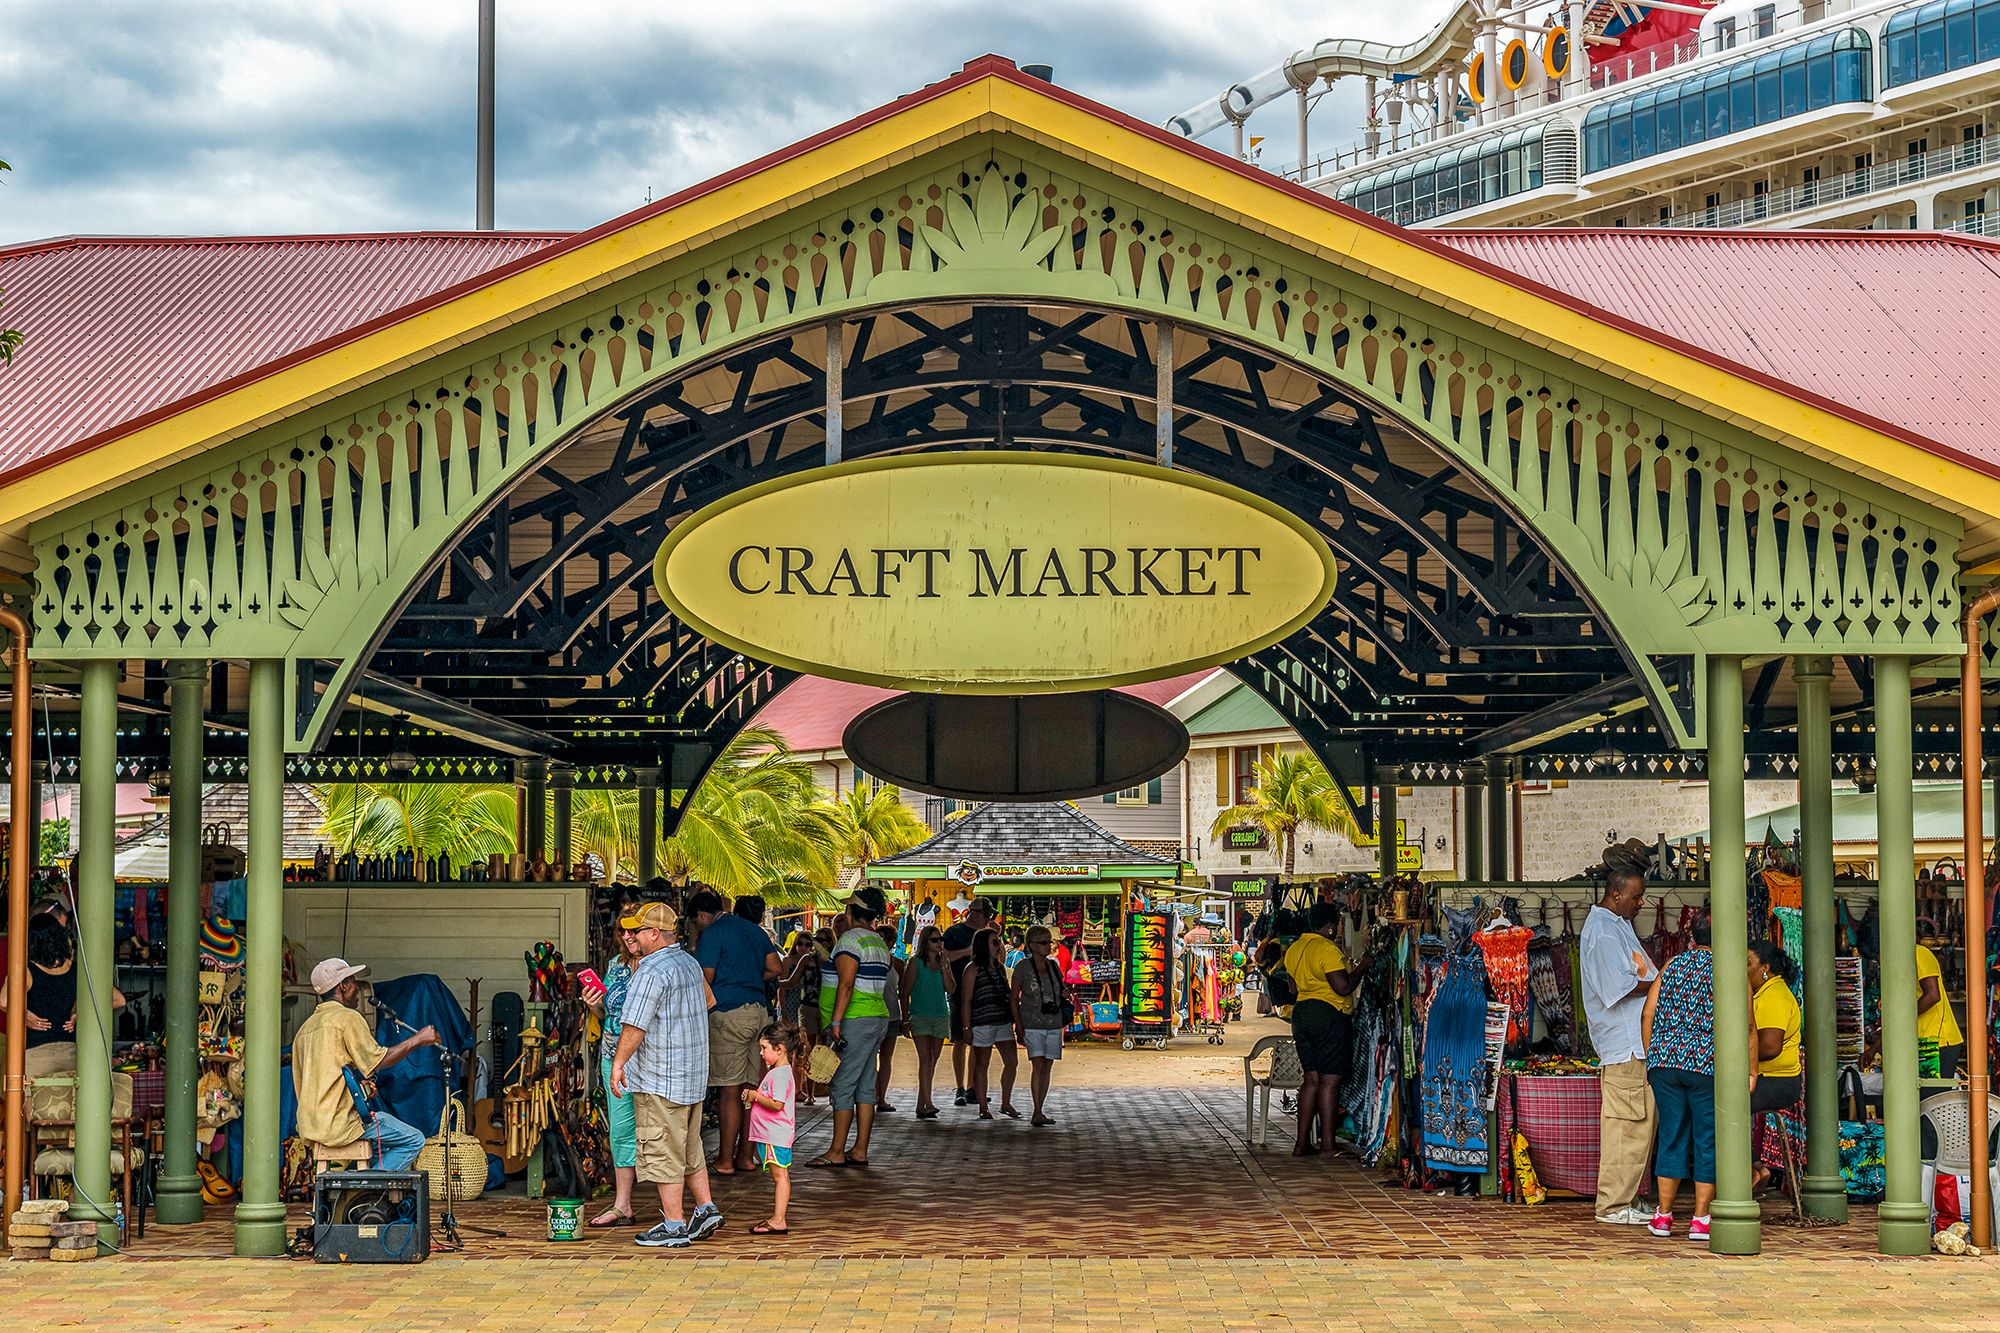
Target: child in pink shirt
[[774, 1118]]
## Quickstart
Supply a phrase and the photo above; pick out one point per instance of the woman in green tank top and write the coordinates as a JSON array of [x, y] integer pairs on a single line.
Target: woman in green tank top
[[926, 1015]]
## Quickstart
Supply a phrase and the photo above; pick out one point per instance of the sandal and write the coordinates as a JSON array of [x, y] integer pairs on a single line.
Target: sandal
[[985, 1115], [857, 1161], [825, 1163], [766, 1229], [718, 1171], [617, 1220], [1010, 1113], [1041, 1120]]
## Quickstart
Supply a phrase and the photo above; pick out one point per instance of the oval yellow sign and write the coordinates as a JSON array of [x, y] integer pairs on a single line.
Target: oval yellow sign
[[994, 573]]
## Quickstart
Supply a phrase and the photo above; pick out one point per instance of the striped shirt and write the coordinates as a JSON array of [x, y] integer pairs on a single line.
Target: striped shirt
[[870, 979], [667, 999]]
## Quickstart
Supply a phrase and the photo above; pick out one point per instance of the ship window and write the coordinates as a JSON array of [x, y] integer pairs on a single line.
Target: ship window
[[1959, 43], [1793, 99], [1819, 82], [1930, 48], [1767, 19], [1715, 93], [1667, 136], [1767, 88], [1742, 99], [1621, 136], [1642, 125], [1987, 22], [1693, 127]]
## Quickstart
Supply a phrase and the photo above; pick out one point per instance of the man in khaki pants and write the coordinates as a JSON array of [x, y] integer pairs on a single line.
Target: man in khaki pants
[[1616, 976]]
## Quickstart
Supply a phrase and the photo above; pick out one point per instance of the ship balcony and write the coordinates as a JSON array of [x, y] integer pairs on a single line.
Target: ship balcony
[[1852, 192]]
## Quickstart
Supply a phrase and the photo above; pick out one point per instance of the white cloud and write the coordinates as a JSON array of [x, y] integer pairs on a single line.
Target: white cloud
[[250, 115]]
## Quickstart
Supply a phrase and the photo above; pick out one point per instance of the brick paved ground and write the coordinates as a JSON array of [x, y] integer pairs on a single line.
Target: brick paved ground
[[1141, 1208]]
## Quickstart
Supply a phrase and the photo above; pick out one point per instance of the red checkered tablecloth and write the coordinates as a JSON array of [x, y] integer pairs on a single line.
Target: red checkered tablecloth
[[1558, 1114], [149, 1088]]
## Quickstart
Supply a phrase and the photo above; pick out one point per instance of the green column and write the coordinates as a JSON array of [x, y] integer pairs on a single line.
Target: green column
[[1474, 797], [1386, 778], [535, 828], [97, 778], [1821, 1192], [180, 1187], [1734, 1227], [1498, 869], [649, 823], [1902, 1222], [260, 1217], [563, 782]]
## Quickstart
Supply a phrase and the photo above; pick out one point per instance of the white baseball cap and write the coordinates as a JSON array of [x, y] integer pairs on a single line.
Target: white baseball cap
[[332, 972]]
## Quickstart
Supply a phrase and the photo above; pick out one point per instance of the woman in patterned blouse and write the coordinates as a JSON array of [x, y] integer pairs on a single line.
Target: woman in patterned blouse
[[618, 1122], [1678, 1026]]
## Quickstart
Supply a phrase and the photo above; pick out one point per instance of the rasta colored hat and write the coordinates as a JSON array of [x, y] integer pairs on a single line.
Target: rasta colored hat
[[221, 944]]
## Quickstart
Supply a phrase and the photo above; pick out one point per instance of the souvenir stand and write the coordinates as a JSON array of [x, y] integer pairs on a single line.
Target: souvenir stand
[[1038, 862]]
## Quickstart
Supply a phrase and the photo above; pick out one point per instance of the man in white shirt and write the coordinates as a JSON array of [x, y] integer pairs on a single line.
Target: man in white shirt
[[1616, 976]]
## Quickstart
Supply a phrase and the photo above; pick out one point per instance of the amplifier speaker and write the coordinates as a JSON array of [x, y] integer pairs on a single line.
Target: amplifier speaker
[[371, 1217]]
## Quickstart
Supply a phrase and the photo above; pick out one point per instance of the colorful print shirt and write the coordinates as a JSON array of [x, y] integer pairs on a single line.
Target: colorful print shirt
[[617, 976], [1684, 1016]]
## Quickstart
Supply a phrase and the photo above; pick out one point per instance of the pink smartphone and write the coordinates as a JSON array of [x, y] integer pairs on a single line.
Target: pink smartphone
[[590, 981]]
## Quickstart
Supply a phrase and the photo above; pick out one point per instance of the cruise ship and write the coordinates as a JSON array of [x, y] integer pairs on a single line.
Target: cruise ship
[[1859, 114]]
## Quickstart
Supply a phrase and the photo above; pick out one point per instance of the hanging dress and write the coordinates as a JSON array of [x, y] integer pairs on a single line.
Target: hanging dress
[[1454, 1083], [1506, 953]]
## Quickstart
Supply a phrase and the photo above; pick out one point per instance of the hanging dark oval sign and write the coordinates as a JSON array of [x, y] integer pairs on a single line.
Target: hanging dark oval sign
[[1036, 747], [995, 573]]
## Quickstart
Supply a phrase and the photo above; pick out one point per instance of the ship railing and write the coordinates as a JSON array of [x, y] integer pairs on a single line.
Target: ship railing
[[1850, 185]]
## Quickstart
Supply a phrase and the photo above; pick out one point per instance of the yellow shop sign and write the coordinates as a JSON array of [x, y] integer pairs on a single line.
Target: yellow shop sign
[[998, 572]]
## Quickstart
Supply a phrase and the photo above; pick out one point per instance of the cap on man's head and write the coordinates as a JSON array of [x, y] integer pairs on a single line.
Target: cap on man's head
[[327, 976], [869, 902], [658, 916]]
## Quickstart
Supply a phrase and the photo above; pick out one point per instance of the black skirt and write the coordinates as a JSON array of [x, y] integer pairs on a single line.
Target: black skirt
[[1325, 1038]]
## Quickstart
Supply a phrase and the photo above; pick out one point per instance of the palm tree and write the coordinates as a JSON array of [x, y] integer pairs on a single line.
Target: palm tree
[[754, 825], [1293, 791], [875, 823], [466, 822]]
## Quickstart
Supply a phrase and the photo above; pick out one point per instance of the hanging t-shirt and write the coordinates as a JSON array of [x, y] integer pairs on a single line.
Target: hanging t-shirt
[[1937, 1023], [1308, 961], [776, 1128], [1775, 1008]]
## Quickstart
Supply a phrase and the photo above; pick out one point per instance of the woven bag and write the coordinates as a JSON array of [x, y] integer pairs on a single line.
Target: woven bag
[[455, 1159], [822, 1064]]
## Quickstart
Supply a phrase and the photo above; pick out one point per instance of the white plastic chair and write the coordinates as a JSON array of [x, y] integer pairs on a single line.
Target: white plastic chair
[[1285, 1073], [1950, 1117]]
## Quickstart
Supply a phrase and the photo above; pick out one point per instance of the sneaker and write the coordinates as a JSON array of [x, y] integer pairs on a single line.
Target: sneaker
[[666, 1236], [704, 1222], [1626, 1217], [1662, 1224], [1698, 1229], [959, 1100]]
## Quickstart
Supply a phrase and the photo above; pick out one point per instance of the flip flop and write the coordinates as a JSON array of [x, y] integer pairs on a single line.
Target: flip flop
[[1010, 1113], [824, 1163], [765, 1229], [857, 1161], [617, 1220], [718, 1171]]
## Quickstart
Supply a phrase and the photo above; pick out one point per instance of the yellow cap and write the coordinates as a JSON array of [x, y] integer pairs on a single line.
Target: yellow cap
[[657, 915]]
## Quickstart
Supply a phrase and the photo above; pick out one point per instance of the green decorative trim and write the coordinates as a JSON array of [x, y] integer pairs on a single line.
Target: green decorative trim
[[1690, 536]]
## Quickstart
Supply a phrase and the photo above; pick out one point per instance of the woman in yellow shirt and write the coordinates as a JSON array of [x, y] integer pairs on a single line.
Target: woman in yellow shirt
[[1322, 1024], [1774, 1013]]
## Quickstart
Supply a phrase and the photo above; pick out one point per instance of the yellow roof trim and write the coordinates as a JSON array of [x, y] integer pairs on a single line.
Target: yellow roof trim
[[998, 102]]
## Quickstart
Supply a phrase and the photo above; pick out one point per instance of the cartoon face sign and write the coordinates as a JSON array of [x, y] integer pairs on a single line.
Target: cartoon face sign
[[966, 873]]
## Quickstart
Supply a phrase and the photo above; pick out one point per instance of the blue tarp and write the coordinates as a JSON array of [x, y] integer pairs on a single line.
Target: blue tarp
[[414, 1090]]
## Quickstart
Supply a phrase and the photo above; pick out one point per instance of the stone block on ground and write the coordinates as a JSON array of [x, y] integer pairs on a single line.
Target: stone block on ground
[[35, 1207], [77, 1228], [62, 1256]]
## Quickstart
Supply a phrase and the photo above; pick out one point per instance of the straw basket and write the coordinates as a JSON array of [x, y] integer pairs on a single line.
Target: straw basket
[[822, 1064], [455, 1160]]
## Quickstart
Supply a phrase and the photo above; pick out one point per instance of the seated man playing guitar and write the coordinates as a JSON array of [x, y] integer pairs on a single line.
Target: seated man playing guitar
[[333, 1056]]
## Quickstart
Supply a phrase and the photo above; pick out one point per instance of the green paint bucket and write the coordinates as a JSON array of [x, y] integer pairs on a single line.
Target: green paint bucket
[[565, 1219]]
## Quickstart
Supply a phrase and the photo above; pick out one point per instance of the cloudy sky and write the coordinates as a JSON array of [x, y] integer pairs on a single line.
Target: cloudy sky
[[204, 116]]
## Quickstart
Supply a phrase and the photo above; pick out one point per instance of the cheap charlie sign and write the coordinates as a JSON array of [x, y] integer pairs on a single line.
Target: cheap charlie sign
[[995, 572]]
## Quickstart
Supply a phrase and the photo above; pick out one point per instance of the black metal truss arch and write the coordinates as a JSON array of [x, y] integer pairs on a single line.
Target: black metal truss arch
[[1450, 620]]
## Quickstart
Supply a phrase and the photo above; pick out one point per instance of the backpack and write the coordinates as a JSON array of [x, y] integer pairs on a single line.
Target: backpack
[[1279, 987]]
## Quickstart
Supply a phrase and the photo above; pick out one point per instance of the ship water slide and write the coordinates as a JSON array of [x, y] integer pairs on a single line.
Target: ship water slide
[[1450, 42]]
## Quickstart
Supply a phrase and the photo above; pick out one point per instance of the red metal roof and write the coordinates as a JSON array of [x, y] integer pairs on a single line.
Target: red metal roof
[[119, 326], [812, 712], [1883, 281], [1897, 325]]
